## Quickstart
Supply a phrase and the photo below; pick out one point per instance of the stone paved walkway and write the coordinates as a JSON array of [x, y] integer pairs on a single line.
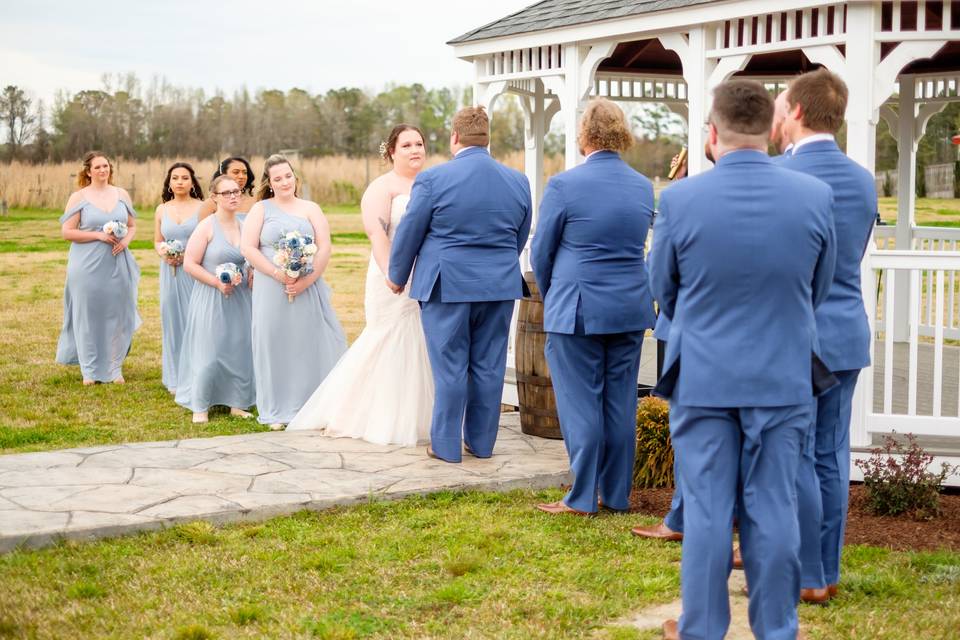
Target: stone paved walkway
[[94, 492]]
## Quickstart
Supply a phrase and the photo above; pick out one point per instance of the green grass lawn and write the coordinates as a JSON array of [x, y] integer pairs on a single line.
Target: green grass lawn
[[929, 212], [43, 405], [450, 565]]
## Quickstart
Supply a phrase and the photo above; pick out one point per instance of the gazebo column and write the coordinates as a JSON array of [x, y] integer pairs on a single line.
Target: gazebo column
[[906, 198], [538, 111], [580, 64], [862, 58]]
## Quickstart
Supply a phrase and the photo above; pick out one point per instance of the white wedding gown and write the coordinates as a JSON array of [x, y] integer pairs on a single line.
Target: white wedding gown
[[381, 390]]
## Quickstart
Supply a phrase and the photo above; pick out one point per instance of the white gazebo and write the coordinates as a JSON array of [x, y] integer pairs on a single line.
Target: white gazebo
[[901, 62]]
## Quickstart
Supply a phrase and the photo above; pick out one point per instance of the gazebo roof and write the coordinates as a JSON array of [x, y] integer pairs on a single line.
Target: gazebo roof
[[550, 14]]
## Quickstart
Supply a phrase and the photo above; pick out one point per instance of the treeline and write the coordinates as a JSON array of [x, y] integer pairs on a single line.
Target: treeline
[[135, 122]]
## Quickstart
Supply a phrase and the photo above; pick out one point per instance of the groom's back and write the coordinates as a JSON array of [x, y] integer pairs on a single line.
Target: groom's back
[[479, 223]]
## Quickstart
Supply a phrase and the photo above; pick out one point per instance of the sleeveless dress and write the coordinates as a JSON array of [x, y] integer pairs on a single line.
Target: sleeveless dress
[[295, 344], [175, 293], [381, 391], [216, 359], [99, 298]]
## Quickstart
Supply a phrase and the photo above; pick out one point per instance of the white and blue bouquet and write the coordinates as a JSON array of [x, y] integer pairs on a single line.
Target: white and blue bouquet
[[116, 228], [294, 254], [229, 273], [172, 249]]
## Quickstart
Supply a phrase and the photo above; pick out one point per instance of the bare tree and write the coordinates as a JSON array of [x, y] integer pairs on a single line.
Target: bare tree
[[19, 119]]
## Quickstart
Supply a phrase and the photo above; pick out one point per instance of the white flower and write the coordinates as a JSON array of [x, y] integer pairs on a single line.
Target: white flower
[[278, 260], [310, 250]]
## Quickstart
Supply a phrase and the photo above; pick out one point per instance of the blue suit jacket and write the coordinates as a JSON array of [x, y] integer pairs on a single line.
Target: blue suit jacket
[[589, 245], [466, 224], [841, 319], [742, 255]]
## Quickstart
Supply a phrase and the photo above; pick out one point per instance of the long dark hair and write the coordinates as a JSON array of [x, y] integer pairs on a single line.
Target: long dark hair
[[225, 164], [195, 190]]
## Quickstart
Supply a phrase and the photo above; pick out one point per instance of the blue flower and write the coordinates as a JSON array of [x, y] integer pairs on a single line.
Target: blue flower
[[294, 266], [307, 240], [225, 277], [293, 243]]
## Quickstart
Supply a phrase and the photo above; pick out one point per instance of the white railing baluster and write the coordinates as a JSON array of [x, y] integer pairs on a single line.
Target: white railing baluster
[[775, 28], [938, 350], [888, 343], [929, 292], [912, 381], [922, 15], [947, 15], [791, 25], [822, 22], [806, 25], [896, 16]]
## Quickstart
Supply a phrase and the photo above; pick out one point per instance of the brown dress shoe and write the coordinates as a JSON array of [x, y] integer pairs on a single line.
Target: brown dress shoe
[[832, 590], [670, 631], [814, 596], [659, 531], [737, 559], [558, 507]]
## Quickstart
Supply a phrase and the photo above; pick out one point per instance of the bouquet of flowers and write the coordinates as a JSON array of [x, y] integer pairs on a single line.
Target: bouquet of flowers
[[294, 254], [172, 249], [229, 273], [115, 228]]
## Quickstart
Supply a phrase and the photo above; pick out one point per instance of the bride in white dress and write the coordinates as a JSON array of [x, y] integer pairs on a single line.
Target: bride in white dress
[[381, 390]]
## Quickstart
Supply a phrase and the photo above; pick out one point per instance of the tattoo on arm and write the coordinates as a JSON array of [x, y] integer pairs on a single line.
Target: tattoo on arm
[[384, 225]]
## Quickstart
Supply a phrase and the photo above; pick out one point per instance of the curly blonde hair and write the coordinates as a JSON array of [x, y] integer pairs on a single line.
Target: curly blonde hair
[[604, 127]]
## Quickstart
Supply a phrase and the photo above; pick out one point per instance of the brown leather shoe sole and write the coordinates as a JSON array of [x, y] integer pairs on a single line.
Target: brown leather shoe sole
[[815, 596], [658, 531], [832, 590], [558, 507]]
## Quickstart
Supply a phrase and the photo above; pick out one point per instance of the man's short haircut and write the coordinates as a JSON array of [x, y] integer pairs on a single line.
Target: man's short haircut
[[473, 126], [742, 107], [822, 97]]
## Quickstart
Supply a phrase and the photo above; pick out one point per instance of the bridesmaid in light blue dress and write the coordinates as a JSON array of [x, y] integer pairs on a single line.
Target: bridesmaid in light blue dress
[[297, 338], [100, 296], [216, 361], [175, 220]]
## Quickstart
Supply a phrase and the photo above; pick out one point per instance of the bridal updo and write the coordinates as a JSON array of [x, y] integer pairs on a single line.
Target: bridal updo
[[388, 148], [604, 127]]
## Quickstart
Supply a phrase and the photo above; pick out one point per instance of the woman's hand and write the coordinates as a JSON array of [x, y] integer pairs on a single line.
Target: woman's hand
[[109, 238], [225, 288], [120, 245], [296, 287], [173, 261]]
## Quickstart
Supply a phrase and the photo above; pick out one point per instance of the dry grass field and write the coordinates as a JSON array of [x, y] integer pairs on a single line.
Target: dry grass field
[[333, 180]]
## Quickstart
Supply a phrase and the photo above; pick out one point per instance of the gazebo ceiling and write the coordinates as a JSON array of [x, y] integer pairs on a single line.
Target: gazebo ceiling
[[650, 57]]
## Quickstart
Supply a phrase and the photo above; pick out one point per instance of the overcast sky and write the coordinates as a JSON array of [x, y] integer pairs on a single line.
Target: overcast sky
[[47, 45]]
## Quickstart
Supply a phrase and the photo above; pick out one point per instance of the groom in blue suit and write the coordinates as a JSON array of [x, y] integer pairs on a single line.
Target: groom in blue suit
[[816, 104], [466, 224], [742, 256]]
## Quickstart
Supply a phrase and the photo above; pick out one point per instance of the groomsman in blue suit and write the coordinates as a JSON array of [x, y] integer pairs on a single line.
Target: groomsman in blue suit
[[588, 261], [465, 225], [742, 256], [671, 527], [817, 102]]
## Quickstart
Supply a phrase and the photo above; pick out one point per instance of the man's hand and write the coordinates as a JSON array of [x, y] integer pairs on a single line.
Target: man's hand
[[396, 288]]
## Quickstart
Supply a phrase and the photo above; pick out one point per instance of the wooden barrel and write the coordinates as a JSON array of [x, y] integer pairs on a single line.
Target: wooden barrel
[[538, 404]]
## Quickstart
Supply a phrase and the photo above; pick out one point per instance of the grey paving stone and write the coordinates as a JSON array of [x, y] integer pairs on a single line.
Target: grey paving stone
[[103, 491], [160, 458], [193, 507], [247, 464], [64, 476], [189, 481], [33, 461]]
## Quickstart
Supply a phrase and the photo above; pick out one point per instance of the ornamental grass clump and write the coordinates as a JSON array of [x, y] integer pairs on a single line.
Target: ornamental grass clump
[[897, 480], [653, 466]]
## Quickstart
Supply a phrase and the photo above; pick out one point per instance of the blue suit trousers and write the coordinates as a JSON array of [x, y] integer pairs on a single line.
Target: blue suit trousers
[[595, 380], [467, 347], [746, 457], [823, 484]]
